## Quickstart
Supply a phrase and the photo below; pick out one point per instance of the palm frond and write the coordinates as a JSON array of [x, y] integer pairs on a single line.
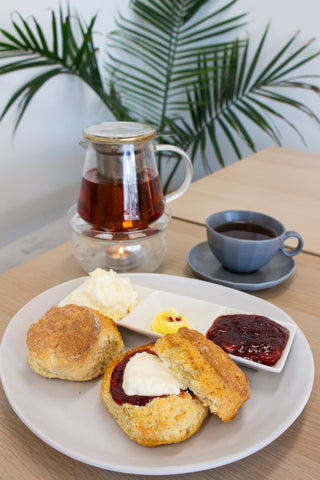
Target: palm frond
[[68, 52], [159, 49], [170, 64], [240, 93]]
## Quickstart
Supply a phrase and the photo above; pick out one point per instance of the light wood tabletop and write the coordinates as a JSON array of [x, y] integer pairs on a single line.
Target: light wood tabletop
[[295, 453], [280, 182]]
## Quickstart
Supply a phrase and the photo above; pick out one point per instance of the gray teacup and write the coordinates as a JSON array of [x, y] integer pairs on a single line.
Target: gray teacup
[[240, 250]]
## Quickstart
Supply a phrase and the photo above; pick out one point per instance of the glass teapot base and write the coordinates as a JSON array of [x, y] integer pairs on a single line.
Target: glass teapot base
[[133, 251]]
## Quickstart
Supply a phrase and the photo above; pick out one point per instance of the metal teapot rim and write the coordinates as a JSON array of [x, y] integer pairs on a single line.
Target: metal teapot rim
[[119, 132]]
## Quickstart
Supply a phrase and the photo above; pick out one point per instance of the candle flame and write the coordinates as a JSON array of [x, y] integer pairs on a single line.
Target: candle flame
[[121, 251]]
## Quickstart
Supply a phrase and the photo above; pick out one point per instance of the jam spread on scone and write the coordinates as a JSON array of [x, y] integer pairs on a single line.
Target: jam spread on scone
[[140, 377], [161, 393], [116, 385]]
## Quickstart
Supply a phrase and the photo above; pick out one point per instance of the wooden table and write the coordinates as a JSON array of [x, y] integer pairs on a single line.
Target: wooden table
[[294, 455], [279, 182]]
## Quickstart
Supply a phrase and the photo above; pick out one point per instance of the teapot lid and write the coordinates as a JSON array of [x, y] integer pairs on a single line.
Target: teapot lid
[[119, 132]]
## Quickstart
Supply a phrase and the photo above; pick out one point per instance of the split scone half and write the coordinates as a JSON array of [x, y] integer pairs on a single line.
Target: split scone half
[[73, 343], [162, 392]]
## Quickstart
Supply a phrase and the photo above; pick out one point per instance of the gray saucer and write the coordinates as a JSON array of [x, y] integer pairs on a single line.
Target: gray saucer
[[205, 264]]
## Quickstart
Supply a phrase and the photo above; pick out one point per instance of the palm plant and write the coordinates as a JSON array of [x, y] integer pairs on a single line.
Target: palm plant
[[170, 64], [29, 49]]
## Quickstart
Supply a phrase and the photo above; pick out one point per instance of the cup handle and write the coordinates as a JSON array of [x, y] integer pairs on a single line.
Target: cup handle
[[292, 251], [187, 180]]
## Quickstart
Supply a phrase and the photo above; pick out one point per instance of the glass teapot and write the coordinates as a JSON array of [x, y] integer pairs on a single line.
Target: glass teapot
[[120, 188]]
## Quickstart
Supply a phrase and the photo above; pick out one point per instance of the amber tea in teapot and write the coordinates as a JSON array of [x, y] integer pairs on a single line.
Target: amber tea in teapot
[[121, 188], [108, 203]]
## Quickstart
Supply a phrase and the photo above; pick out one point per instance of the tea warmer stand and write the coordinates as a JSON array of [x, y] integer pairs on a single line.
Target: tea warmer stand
[[132, 251]]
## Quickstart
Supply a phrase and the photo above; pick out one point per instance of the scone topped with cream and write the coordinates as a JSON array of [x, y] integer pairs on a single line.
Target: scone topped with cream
[[162, 392], [106, 292]]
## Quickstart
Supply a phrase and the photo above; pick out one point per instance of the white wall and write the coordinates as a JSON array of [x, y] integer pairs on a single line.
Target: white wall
[[41, 166]]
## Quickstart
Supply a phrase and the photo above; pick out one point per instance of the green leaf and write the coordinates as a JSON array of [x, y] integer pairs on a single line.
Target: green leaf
[[166, 38], [174, 63], [65, 55], [230, 95], [28, 90], [254, 62]]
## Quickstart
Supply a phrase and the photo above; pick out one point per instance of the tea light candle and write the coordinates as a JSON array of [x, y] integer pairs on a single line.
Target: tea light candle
[[117, 252], [121, 258]]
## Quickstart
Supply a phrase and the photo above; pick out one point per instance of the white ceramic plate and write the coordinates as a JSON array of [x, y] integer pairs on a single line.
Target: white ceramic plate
[[200, 315], [71, 417]]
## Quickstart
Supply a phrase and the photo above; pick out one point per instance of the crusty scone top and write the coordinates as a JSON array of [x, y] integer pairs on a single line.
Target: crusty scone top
[[64, 333]]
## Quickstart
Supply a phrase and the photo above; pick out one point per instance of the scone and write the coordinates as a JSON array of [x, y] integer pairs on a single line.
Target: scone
[[208, 370], [73, 343], [206, 379], [150, 420]]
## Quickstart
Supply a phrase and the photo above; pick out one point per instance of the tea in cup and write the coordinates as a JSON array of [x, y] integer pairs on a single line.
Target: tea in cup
[[244, 241]]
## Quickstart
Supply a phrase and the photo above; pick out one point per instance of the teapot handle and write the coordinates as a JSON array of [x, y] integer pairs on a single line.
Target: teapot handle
[[187, 180]]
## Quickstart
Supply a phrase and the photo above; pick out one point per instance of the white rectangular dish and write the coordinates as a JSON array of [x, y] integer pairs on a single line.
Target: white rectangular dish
[[199, 313]]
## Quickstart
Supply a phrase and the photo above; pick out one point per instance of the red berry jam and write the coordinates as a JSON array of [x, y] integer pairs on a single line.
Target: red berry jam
[[253, 337], [116, 389], [119, 395]]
